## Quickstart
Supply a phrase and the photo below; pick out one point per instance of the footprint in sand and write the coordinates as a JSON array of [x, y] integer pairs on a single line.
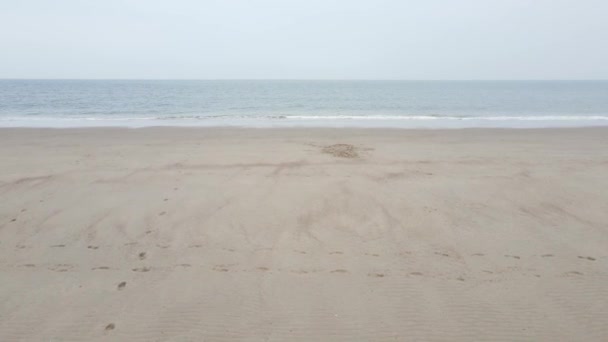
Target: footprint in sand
[[100, 268], [61, 267], [376, 275], [162, 213], [586, 257], [92, 247], [28, 265], [184, 265], [110, 326], [13, 220], [416, 273], [299, 271], [57, 246], [162, 246], [142, 255], [512, 256], [340, 270], [121, 285], [547, 255], [442, 254], [374, 254], [141, 269], [195, 246], [478, 254], [263, 269], [335, 252]]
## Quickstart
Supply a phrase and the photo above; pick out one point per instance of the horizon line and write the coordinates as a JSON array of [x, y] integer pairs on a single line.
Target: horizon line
[[300, 79]]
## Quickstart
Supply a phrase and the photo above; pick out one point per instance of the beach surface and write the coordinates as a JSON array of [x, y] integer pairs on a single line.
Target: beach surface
[[192, 234]]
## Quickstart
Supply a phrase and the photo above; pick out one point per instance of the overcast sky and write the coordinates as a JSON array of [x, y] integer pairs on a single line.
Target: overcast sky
[[304, 39]]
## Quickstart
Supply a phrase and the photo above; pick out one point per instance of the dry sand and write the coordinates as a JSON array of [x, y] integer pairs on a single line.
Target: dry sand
[[303, 234]]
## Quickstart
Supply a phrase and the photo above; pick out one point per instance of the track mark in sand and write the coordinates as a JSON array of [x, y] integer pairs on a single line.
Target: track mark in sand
[[130, 243], [229, 249], [195, 246], [512, 256], [184, 265], [442, 254], [576, 273], [13, 220], [301, 252], [162, 246], [461, 278], [341, 151], [373, 254], [27, 265], [92, 247], [57, 246], [100, 268], [220, 269], [376, 275], [110, 326], [141, 269], [165, 200], [142, 256], [547, 255], [478, 254], [21, 246], [486, 271], [263, 269], [162, 213], [416, 273], [586, 257], [339, 270], [121, 286]]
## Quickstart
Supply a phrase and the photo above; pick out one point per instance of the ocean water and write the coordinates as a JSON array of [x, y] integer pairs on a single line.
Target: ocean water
[[407, 104]]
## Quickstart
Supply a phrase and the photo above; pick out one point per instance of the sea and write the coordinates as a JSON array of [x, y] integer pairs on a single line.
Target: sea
[[294, 103]]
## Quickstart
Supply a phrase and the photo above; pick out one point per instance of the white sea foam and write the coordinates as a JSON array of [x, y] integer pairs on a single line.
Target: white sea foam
[[386, 121]]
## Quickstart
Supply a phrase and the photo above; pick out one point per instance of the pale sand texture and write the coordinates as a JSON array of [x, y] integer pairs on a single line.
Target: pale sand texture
[[228, 234]]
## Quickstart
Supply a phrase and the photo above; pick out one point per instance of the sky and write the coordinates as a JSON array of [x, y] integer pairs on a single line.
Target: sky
[[304, 39]]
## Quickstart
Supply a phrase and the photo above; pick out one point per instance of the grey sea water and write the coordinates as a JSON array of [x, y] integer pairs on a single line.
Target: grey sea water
[[413, 104]]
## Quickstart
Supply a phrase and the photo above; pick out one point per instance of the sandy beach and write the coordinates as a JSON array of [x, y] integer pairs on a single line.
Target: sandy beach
[[192, 234]]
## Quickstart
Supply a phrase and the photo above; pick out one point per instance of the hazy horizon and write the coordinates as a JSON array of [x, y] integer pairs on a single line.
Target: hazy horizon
[[307, 79], [470, 40]]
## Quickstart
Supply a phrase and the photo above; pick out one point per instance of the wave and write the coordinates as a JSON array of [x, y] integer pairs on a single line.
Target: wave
[[406, 121]]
